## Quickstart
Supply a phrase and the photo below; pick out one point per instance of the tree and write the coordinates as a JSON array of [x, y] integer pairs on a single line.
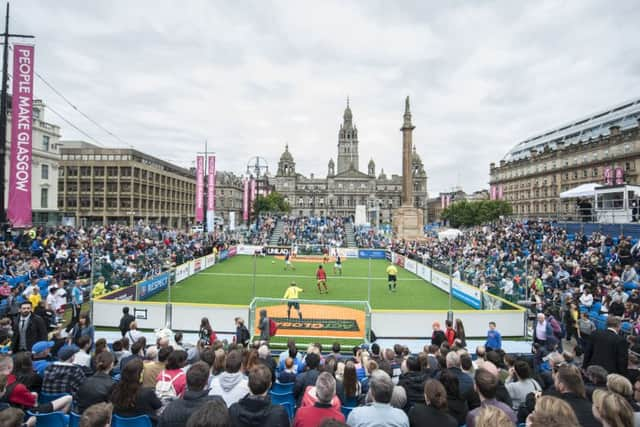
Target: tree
[[467, 214], [273, 202]]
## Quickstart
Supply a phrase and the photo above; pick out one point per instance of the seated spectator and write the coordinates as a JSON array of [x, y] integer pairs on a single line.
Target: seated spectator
[[381, 391], [98, 387], [413, 381], [172, 376], [434, 413], [83, 328], [570, 388], [465, 381], [137, 352], [520, 384], [14, 417], [129, 398], [486, 385], [620, 385], [178, 411], [82, 357], [611, 409], [212, 413], [24, 372], [457, 407], [256, 409], [153, 367], [307, 378], [491, 416], [98, 415], [552, 412], [351, 385], [325, 391], [288, 375], [231, 385], [293, 353], [63, 376], [133, 334], [18, 395], [41, 356]]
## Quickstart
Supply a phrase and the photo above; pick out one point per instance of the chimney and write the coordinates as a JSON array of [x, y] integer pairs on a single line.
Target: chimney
[[614, 130], [502, 162]]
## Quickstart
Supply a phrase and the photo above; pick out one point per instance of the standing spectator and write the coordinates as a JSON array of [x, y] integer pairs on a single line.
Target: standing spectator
[[457, 407], [568, 383], [494, 339], [307, 378], [437, 336], [99, 386], [322, 409], [231, 384], [242, 333], [63, 376], [586, 327], [178, 411], [133, 334], [611, 409], [460, 334], [129, 398], [486, 384], [153, 368], [263, 325], [380, 391], [256, 409], [520, 384], [206, 333], [450, 333], [125, 321], [77, 298], [28, 329], [608, 349], [434, 413]]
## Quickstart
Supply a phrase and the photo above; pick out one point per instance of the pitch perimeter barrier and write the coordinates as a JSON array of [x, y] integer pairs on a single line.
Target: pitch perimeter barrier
[[372, 253]]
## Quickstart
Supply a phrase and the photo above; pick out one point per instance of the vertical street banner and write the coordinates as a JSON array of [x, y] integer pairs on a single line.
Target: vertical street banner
[[619, 174], [252, 195], [492, 192], [245, 200], [608, 176], [19, 203], [500, 192], [211, 191], [199, 189]]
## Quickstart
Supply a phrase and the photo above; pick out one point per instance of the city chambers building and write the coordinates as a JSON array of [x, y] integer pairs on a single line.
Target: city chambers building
[[345, 187], [534, 172]]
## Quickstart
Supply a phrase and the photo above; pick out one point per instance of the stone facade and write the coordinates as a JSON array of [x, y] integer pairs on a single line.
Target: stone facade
[[343, 189], [229, 191], [534, 173]]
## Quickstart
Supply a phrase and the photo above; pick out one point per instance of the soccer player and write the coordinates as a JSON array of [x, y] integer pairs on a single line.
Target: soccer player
[[337, 267], [325, 258], [291, 295], [321, 275], [287, 262], [392, 276]]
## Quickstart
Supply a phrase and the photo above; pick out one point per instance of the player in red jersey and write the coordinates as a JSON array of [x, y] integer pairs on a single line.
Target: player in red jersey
[[321, 275]]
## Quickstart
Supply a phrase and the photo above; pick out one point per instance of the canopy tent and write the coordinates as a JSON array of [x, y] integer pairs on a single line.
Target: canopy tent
[[449, 234], [584, 190]]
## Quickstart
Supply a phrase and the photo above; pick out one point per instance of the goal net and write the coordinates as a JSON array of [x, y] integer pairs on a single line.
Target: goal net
[[302, 318]]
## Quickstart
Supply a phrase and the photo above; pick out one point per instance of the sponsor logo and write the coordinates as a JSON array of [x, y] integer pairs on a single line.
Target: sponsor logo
[[317, 324], [275, 250], [197, 264]]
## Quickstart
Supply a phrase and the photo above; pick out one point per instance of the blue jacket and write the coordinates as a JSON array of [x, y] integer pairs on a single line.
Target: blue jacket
[[494, 340]]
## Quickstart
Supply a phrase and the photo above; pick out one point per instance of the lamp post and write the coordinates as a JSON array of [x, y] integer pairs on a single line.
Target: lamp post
[[257, 166]]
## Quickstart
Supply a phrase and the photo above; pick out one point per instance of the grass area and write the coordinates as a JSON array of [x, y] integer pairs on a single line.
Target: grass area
[[232, 281]]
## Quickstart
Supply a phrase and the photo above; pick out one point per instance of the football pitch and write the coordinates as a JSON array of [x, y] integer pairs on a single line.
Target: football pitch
[[232, 282]]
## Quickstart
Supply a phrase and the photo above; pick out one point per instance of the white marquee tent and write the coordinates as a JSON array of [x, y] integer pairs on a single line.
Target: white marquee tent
[[584, 190]]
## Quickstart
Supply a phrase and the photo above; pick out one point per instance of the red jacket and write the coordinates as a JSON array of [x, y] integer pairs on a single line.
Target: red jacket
[[20, 395], [450, 333], [312, 416]]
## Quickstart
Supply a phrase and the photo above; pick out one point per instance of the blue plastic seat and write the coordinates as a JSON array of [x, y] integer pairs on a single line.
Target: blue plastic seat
[[281, 388], [139, 421], [280, 398], [74, 419], [346, 410], [290, 408], [51, 419], [50, 397]]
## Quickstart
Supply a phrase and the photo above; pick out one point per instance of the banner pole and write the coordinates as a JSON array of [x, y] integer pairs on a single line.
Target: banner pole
[[369, 284], [254, 274]]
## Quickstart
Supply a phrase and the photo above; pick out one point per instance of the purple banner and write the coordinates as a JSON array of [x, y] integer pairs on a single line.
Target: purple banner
[[19, 206], [211, 187], [245, 200], [199, 189]]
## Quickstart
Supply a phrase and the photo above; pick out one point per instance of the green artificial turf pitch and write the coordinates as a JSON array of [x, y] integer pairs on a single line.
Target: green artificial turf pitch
[[231, 282]]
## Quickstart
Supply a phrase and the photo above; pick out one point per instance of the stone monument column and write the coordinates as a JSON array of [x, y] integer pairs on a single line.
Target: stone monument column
[[407, 141]]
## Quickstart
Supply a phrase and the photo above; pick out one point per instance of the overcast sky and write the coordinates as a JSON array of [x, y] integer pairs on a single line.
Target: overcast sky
[[251, 76]]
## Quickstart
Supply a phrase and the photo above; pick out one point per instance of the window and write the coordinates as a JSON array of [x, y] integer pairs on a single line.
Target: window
[[44, 197], [44, 172], [45, 142]]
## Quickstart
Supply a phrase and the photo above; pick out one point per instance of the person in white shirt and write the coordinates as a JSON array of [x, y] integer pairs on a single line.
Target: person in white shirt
[[83, 358], [133, 334], [586, 298]]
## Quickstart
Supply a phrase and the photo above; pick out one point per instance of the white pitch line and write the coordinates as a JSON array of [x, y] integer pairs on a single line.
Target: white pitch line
[[298, 276]]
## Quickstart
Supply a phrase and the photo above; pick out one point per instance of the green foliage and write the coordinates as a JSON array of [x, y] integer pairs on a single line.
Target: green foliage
[[465, 213], [274, 202]]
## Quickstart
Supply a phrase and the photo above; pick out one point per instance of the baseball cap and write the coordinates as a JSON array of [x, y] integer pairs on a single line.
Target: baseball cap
[[41, 346], [67, 351]]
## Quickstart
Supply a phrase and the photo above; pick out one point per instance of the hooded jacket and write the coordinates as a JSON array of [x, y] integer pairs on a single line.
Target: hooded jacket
[[178, 411], [231, 387], [257, 411], [413, 384]]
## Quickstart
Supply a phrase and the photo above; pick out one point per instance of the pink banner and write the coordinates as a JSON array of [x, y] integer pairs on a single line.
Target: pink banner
[[211, 184], [19, 206], [500, 191], [492, 192], [608, 176], [245, 200], [199, 188], [619, 176], [252, 194]]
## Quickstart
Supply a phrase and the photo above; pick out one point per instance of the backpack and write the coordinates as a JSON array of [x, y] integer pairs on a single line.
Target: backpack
[[273, 327], [165, 390], [555, 326]]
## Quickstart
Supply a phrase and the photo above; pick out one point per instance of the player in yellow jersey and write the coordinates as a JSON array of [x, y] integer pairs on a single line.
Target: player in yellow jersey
[[291, 295], [392, 274]]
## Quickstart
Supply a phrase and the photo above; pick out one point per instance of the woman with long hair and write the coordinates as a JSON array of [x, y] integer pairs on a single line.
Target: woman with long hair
[[352, 387], [456, 406], [206, 333], [82, 328], [98, 387], [552, 412], [611, 409], [24, 372], [460, 334], [129, 398], [434, 412]]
